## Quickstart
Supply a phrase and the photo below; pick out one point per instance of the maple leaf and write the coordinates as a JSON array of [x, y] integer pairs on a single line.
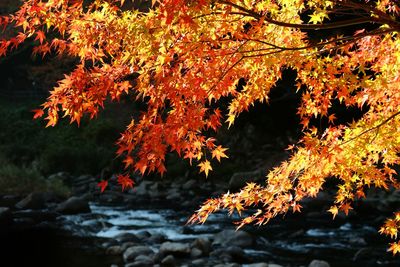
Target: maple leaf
[[128, 161], [38, 113], [103, 185], [125, 181], [345, 208], [318, 17], [40, 36], [218, 153], [205, 166], [334, 210], [394, 247], [141, 166], [187, 59], [296, 207]]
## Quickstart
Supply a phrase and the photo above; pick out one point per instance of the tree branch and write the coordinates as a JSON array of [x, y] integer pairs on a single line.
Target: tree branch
[[324, 26]]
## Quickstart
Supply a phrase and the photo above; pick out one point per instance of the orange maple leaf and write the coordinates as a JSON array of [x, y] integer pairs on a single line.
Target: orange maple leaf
[[38, 113], [40, 36], [128, 161], [345, 208]]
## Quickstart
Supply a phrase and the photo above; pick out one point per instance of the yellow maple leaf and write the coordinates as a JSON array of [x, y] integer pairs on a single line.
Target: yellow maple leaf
[[394, 247], [318, 17], [205, 167], [218, 153], [334, 210]]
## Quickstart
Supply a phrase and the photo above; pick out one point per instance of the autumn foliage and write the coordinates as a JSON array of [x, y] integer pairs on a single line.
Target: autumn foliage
[[189, 54]]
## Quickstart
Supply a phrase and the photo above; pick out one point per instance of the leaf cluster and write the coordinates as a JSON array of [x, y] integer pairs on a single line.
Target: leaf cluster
[[188, 55]]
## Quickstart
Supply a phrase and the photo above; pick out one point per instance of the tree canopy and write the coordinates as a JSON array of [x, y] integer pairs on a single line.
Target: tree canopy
[[183, 57]]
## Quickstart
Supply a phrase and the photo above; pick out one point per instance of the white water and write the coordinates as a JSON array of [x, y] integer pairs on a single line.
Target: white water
[[155, 222]]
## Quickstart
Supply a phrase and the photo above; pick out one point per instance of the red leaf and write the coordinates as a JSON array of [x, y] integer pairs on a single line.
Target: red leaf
[[103, 184], [38, 113], [125, 181], [40, 36]]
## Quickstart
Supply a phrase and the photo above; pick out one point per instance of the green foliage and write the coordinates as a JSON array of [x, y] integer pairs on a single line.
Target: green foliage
[[23, 180], [77, 150]]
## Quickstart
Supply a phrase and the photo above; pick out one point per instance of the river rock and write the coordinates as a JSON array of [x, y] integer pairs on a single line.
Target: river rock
[[127, 237], [143, 235], [82, 180], [230, 253], [175, 196], [139, 264], [61, 176], [156, 238], [73, 205], [35, 216], [9, 200], [262, 264], [110, 197], [144, 258], [199, 262], [356, 240], [363, 254], [196, 253], [175, 248], [318, 263], [227, 265], [168, 261], [35, 200], [233, 238], [114, 250], [126, 245], [274, 265], [132, 252], [156, 191], [142, 188], [240, 179], [79, 190], [190, 185], [203, 244], [141, 261], [5, 216]]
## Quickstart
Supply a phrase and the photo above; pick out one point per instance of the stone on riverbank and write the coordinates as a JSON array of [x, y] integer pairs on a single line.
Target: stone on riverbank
[[9, 200], [132, 252], [229, 254], [114, 250], [240, 179], [262, 264], [233, 238], [175, 248], [5, 216], [127, 237], [73, 205], [196, 253], [227, 265], [34, 200], [168, 261], [199, 262], [141, 261], [318, 263], [203, 244]]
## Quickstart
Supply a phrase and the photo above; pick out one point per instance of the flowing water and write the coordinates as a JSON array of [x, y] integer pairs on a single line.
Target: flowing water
[[291, 242]]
